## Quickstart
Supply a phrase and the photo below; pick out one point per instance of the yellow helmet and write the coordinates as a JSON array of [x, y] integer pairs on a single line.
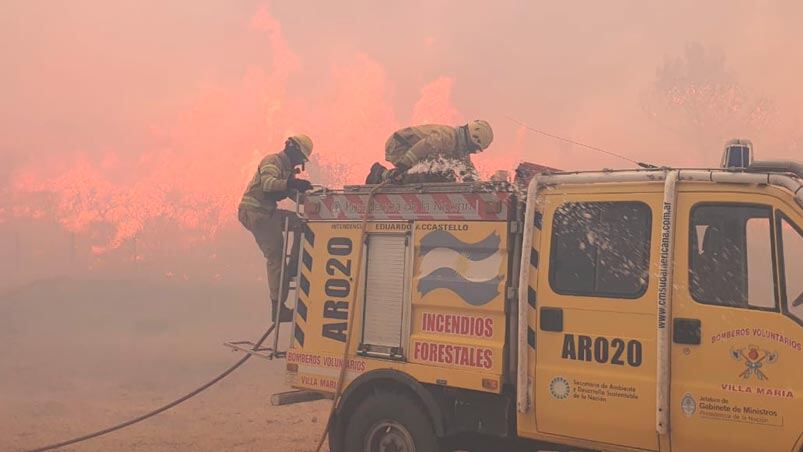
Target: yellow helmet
[[480, 133], [304, 144]]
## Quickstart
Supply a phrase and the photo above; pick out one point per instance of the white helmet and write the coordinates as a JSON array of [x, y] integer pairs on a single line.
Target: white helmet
[[480, 133], [304, 144]]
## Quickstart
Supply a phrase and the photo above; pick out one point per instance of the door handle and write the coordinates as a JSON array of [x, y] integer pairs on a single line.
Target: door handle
[[551, 319], [687, 331]]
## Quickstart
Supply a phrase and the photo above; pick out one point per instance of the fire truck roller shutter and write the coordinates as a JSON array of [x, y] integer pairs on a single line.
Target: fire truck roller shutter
[[385, 294]]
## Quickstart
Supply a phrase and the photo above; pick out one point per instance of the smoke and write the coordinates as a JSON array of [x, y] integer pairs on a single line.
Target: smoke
[[194, 176], [128, 131], [697, 96]]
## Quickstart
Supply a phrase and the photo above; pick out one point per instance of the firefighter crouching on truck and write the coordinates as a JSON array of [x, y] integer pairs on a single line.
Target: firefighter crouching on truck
[[444, 152], [275, 180]]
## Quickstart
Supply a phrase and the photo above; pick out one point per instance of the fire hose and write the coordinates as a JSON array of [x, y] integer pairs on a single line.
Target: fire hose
[[161, 409], [357, 274], [242, 361], [235, 366]]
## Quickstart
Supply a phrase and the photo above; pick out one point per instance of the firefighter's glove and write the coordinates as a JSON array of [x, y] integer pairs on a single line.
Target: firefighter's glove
[[395, 175], [299, 185]]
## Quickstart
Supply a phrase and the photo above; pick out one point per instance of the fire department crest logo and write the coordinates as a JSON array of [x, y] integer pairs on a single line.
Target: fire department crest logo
[[755, 359]]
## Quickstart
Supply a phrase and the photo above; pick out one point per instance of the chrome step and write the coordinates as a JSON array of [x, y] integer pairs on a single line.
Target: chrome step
[[249, 347]]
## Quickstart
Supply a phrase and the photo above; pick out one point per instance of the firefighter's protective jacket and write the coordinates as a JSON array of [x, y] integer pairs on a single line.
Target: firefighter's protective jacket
[[411, 145], [269, 184]]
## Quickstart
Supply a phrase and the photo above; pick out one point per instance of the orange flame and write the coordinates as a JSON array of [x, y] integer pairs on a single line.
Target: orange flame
[[195, 171]]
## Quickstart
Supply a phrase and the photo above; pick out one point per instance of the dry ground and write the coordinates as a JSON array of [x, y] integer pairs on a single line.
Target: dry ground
[[77, 356]]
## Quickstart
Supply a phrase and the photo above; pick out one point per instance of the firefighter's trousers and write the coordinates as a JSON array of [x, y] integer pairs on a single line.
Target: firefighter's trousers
[[267, 225]]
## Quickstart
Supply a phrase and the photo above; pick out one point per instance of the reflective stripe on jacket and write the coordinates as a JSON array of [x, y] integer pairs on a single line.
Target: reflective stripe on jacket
[[269, 184]]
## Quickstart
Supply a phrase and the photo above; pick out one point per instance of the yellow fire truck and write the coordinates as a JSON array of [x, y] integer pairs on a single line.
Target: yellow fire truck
[[641, 310]]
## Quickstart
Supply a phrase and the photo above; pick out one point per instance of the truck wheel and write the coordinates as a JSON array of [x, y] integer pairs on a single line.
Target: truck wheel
[[390, 422]]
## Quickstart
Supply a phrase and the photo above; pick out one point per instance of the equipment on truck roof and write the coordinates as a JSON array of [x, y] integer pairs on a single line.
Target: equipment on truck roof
[[738, 154]]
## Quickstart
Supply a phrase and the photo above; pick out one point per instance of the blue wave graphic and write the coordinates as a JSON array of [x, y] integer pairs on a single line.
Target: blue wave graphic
[[472, 251], [474, 293]]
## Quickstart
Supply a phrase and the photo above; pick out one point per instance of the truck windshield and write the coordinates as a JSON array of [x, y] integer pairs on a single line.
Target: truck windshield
[[792, 243]]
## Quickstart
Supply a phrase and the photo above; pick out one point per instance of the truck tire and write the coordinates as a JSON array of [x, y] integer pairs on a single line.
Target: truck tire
[[389, 422]]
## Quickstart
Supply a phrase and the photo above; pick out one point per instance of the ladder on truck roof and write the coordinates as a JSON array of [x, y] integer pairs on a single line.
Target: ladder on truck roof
[[291, 280]]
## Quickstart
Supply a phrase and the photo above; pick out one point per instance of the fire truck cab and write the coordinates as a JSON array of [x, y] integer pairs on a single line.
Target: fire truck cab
[[641, 310]]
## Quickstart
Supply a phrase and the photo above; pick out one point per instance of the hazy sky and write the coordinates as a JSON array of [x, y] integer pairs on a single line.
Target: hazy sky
[[126, 112], [92, 75]]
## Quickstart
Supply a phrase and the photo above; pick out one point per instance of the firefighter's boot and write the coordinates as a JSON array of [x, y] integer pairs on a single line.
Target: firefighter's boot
[[377, 174], [285, 314]]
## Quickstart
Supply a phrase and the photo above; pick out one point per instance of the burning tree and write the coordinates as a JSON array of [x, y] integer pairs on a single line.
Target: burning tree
[[696, 96]]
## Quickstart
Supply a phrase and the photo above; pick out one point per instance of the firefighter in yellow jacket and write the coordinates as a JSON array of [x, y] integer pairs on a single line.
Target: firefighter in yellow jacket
[[412, 145], [275, 180]]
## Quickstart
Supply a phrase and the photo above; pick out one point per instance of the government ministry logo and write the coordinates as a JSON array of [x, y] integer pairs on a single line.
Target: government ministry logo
[[559, 388], [688, 405]]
